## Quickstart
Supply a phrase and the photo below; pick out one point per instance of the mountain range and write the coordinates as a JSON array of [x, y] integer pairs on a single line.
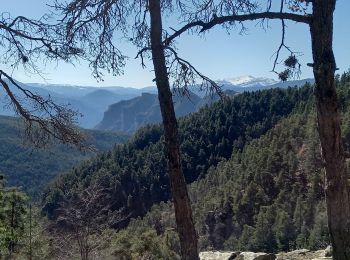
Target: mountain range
[[129, 115], [96, 103], [250, 83], [90, 102]]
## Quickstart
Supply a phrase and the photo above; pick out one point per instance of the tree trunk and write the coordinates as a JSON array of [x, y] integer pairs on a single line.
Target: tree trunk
[[183, 212], [328, 116]]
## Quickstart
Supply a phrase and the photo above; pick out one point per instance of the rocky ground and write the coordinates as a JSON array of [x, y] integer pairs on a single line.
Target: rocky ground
[[302, 254]]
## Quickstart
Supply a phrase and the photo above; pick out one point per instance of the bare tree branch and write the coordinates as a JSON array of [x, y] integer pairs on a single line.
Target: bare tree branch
[[46, 120], [27, 42], [185, 75], [140, 55], [93, 23], [204, 26]]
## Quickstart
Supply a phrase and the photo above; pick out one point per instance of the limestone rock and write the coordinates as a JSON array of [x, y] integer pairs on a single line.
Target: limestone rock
[[328, 251], [255, 256], [299, 252], [216, 255], [303, 254]]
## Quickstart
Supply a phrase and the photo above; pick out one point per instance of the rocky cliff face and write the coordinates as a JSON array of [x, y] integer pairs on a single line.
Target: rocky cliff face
[[129, 115], [219, 226]]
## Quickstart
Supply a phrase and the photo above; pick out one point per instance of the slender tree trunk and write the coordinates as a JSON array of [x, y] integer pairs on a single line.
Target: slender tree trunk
[[183, 212], [30, 233], [12, 225], [328, 116]]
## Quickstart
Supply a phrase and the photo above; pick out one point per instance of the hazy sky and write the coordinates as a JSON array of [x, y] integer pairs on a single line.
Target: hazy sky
[[218, 55]]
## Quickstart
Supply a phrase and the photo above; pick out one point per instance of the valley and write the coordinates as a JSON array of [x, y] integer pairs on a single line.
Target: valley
[[246, 158], [174, 130], [31, 169]]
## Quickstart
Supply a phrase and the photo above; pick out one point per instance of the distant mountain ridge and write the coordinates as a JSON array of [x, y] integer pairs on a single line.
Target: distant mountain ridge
[[79, 91], [91, 102], [129, 115], [249, 81]]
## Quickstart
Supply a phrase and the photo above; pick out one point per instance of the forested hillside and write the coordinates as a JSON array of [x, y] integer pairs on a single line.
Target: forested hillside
[[254, 167], [32, 169], [268, 196], [135, 173], [129, 115]]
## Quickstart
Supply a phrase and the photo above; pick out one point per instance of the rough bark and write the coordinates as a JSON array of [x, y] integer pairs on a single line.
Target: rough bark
[[183, 212], [328, 116]]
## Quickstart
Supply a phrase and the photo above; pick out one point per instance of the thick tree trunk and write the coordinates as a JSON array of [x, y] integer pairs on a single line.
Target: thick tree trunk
[[328, 116], [183, 212]]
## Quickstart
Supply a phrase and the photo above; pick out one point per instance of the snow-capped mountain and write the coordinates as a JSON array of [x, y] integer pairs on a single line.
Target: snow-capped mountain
[[249, 81]]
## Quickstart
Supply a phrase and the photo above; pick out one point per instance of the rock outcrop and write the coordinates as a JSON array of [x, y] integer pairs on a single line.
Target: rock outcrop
[[255, 256], [217, 255], [302, 254]]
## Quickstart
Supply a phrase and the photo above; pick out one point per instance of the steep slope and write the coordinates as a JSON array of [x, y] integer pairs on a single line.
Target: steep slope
[[129, 115], [32, 169], [266, 198], [135, 173], [269, 196]]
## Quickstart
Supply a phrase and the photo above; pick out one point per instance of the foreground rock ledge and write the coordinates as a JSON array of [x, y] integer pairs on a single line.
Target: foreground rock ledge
[[302, 254]]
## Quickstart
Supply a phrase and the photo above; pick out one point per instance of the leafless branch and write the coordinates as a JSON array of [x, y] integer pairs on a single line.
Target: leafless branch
[[84, 216], [185, 75], [204, 26], [91, 25], [292, 63], [28, 42], [140, 55], [46, 119]]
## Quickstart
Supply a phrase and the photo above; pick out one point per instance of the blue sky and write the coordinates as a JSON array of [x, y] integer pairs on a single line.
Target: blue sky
[[217, 55]]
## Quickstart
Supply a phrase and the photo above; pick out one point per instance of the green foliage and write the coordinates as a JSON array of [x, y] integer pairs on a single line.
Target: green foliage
[[269, 196], [153, 237], [284, 230], [255, 170], [145, 245], [136, 173], [22, 232], [12, 214], [268, 188], [319, 233]]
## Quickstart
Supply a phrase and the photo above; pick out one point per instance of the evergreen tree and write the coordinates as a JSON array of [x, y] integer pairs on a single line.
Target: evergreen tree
[[13, 222], [284, 231]]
